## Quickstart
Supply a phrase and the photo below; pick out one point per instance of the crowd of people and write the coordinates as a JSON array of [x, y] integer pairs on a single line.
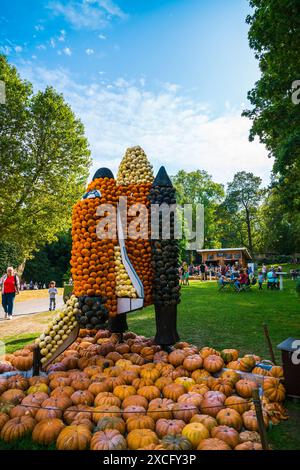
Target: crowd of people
[[234, 273], [32, 285]]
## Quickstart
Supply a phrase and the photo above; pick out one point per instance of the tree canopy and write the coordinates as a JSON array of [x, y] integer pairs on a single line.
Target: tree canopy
[[44, 160]]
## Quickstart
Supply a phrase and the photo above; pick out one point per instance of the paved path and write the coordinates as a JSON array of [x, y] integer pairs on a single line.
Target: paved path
[[28, 307]]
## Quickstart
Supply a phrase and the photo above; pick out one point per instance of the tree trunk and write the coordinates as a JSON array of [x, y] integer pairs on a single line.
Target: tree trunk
[[249, 231], [166, 325]]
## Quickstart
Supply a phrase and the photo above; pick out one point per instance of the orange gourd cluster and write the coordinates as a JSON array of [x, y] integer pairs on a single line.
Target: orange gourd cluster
[[92, 259], [104, 395], [139, 249]]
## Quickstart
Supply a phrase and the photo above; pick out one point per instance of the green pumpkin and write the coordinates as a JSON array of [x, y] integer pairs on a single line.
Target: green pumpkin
[[177, 442]]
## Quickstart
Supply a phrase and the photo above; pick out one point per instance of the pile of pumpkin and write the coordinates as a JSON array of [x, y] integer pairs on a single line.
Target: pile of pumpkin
[[105, 395]]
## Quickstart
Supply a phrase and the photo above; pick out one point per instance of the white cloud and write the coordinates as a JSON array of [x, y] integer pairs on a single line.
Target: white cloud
[[67, 51], [174, 129], [62, 36], [102, 36], [18, 48], [6, 50], [92, 14], [52, 43], [89, 51], [34, 57], [41, 47], [39, 27]]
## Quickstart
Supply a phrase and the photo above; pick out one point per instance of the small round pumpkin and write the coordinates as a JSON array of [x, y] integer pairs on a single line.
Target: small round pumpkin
[[129, 411], [152, 374], [107, 398], [140, 422], [111, 422], [162, 409], [124, 391], [75, 437], [252, 436], [176, 442], [208, 421], [229, 355], [195, 432], [230, 375], [169, 427], [82, 397], [276, 371], [213, 443], [248, 445], [47, 431], [184, 411], [173, 391], [230, 417], [176, 357], [226, 434], [211, 406], [250, 420], [141, 438], [149, 392], [161, 382], [273, 389], [200, 376], [105, 410], [109, 439], [237, 403], [14, 396], [193, 362], [136, 400], [187, 382], [213, 363], [4, 418], [245, 387], [222, 385], [63, 390]]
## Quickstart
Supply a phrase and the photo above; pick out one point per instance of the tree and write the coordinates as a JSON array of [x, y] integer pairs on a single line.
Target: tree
[[51, 262], [197, 187], [44, 160], [242, 200], [274, 35], [9, 256]]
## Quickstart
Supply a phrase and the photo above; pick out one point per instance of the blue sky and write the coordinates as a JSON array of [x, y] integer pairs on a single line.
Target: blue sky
[[171, 75]]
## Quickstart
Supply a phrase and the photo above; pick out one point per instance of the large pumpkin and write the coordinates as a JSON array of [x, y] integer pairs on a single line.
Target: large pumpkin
[[74, 438], [47, 431], [169, 427], [176, 442], [213, 444], [16, 428], [140, 438], [227, 434], [213, 363], [110, 439], [195, 433], [273, 389], [229, 417]]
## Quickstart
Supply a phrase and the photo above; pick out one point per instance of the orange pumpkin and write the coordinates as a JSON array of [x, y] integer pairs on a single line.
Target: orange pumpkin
[[137, 400], [248, 446], [176, 357], [109, 439], [140, 422], [141, 438], [208, 421], [250, 420], [230, 417], [111, 422], [184, 411], [245, 387], [227, 434], [193, 362], [47, 431], [213, 363], [169, 427], [273, 389], [237, 403], [173, 391], [213, 444], [107, 398], [149, 392], [16, 428]]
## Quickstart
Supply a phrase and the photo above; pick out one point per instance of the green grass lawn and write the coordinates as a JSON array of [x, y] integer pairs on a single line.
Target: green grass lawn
[[225, 319]]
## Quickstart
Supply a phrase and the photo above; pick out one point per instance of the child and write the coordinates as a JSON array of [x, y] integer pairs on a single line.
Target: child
[[52, 293], [260, 280]]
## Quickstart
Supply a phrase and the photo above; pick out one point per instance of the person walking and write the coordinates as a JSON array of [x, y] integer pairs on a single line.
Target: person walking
[[260, 280], [52, 293], [10, 286]]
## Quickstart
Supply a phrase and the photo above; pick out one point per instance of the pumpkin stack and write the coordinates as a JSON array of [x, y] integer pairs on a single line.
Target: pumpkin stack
[[93, 242], [134, 179], [166, 289]]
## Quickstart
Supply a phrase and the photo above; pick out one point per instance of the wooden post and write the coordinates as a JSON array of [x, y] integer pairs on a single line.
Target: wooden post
[[260, 419], [266, 331], [36, 361]]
